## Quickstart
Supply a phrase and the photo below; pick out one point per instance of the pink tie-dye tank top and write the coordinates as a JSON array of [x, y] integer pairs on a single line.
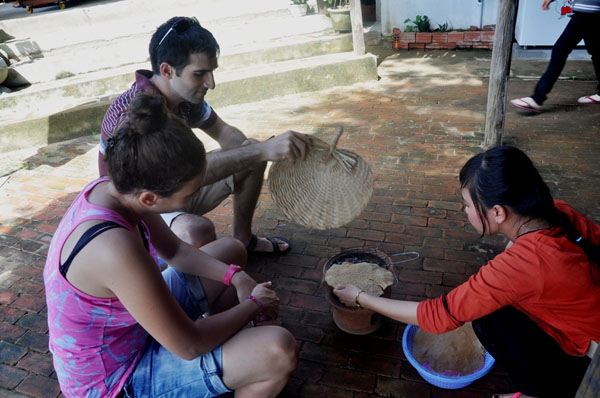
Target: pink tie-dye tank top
[[95, 342]]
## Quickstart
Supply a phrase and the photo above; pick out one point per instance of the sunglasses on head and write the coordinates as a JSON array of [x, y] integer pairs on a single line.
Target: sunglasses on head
[[179, 27]]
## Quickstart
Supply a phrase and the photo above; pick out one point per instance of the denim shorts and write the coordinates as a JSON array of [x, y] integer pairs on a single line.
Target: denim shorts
[[163, 374]]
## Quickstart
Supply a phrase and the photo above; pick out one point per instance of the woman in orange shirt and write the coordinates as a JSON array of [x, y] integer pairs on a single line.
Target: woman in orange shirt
[[534, 307]]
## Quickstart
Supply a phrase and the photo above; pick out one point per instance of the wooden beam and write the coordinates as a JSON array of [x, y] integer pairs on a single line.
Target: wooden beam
[[590, 385], [499, 72], [358, 36]]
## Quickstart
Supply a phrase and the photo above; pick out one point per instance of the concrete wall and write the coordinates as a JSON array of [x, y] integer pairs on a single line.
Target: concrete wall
[[460, 14]]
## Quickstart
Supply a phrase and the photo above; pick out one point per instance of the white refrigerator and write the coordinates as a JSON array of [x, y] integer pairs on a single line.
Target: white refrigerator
[[537, 27]]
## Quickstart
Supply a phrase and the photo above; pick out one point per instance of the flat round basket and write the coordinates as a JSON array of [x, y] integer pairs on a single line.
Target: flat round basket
[[330, 188]]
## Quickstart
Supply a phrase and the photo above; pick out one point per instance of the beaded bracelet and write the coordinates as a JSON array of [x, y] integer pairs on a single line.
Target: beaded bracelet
[[257, 301]]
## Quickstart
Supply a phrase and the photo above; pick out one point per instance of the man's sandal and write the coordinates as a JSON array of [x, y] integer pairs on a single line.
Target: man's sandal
[[250, 248], [590, 99], [527, 103]]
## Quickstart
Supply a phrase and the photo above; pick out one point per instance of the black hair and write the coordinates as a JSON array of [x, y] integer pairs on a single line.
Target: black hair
[[154, 150], [176, 47], [504, 175]]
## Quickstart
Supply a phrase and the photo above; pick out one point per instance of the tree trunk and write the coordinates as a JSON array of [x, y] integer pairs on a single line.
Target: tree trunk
[[499, 72], [358, 36]]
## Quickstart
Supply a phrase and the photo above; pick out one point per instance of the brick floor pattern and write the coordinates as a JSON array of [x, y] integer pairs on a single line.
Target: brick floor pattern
[[414, 133]]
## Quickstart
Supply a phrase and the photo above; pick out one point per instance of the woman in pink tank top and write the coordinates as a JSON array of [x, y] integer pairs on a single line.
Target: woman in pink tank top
[[120, 327]]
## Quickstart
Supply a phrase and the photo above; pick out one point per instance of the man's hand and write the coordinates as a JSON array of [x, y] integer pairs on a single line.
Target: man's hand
[[290, 145], [347, 294], [546, 4]]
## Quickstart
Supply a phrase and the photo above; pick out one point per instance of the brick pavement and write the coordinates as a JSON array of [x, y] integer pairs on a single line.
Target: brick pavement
[[414, 131]]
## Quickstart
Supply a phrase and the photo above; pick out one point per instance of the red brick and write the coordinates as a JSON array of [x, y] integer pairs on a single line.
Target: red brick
[[431, 278], [437, 37], [416, 46], [309, 302], [48, 228], [407, 37], [34, 341], [39, 387], [423, 37], [350, 380], [7, 297], [31, 303], [472, 36], [366, 235], [409, 220], [489, 27], [10, 377], [399, 45], [454, 37], [318, 390], [306, 333], [428, 212], [455, 267], [404, 239], [308, 371], [324, 354], [443, 242], [389, 387], [37, 363], [487, 36]]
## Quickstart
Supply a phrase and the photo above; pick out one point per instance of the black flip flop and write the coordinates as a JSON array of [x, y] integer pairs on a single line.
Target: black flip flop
[[274, 241]]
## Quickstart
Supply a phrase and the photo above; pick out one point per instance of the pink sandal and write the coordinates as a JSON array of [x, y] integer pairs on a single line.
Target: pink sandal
[[527, 103], [515, 395], [590, 99]]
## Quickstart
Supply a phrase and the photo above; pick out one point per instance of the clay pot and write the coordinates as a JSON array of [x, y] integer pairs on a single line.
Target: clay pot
[[359, 321]]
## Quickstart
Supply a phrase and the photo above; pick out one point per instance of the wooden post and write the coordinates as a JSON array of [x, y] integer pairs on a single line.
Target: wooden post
[[358, 36], [590, 385], [499, 72]]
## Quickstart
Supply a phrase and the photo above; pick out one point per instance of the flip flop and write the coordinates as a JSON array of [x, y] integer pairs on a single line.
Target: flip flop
[[274, 241], [590, 99], [527, 103]]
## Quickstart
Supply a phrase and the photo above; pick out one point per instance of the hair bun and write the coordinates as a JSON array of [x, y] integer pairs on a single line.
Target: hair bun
[[147, 113]]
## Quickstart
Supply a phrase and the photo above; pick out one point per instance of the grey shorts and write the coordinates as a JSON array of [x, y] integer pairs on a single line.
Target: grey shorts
[[210, 197]]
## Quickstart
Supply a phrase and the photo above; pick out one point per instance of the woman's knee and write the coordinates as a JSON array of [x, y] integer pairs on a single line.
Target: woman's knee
[[282, 349], [193, 229]]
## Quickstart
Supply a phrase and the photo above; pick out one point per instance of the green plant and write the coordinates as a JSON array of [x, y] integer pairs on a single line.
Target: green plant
[[64, 75], [420, 24], [338, 3], [299, 1], [443, 27]]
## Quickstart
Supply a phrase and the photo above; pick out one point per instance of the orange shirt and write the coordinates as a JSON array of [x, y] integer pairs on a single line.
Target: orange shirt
[[544, 276]]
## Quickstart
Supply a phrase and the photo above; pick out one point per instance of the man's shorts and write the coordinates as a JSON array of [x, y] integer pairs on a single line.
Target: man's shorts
[[210, 197]]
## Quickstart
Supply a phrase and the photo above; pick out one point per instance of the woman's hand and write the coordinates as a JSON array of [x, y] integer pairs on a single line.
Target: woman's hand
[[268, 298], [243, 284], [347, 294]]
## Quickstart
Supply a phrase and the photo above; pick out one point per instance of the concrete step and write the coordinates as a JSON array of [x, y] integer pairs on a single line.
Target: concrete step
[[79, 59], [59, 94], [234, 87]]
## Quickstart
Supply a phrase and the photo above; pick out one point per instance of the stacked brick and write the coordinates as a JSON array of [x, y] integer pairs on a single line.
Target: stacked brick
[[473, 38]]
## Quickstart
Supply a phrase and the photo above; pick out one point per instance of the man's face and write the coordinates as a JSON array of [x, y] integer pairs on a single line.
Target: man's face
[[196, 78]]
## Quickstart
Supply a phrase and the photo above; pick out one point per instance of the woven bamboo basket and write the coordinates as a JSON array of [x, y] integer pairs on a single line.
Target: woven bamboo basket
[[330, 188]]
